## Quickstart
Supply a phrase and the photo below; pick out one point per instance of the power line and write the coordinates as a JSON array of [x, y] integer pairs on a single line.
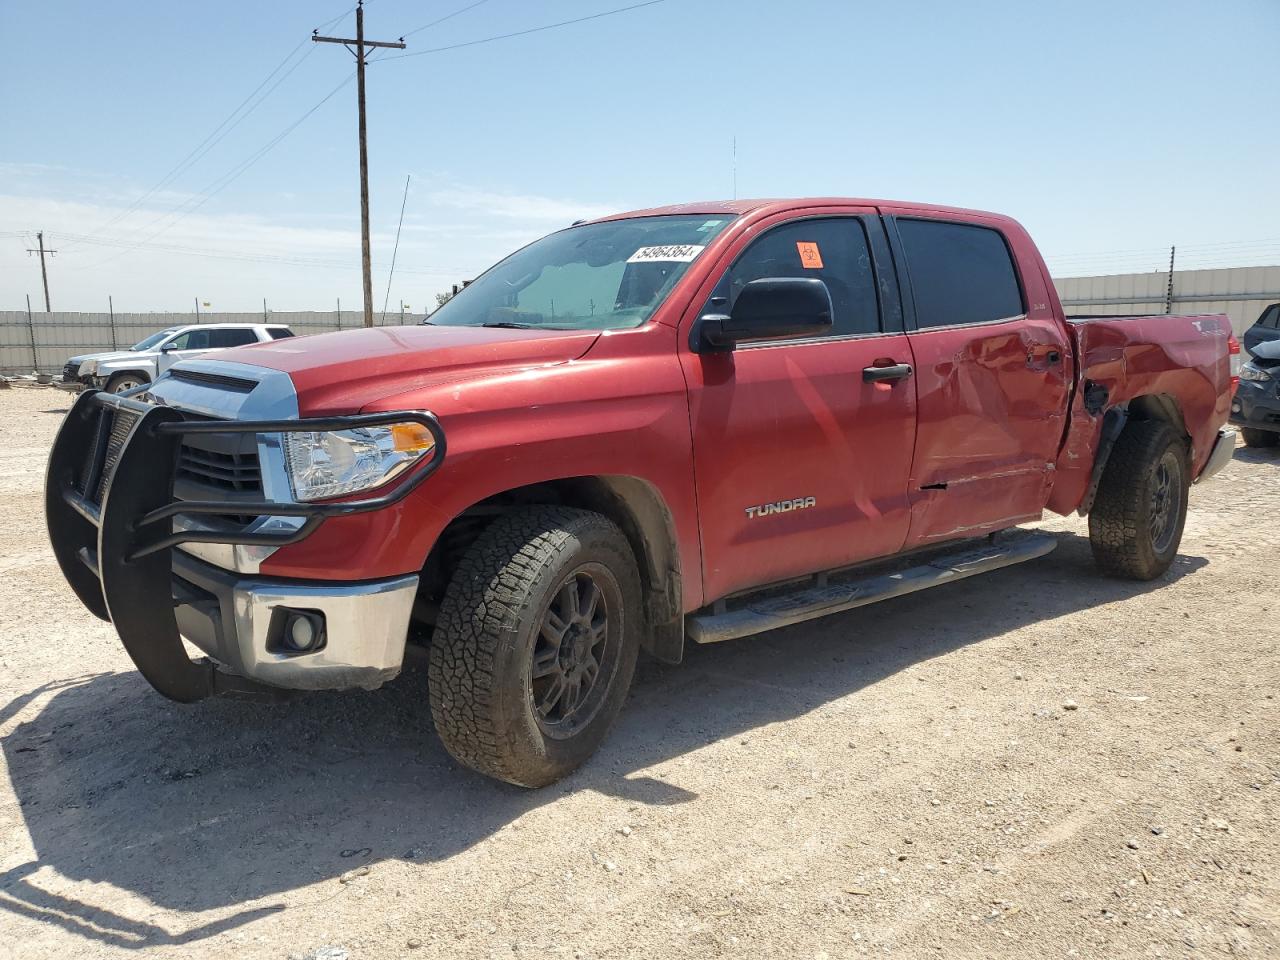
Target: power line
[[395, 249], [229, 123], [523, 33], [217, 186], [447, 16]]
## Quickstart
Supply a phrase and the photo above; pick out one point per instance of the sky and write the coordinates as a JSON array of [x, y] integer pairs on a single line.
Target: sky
[[166, 162]]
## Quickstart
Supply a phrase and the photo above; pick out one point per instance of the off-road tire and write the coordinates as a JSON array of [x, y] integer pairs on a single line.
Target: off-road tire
[[1120, 523], [1259, 438], [115, 384], [481, 662]]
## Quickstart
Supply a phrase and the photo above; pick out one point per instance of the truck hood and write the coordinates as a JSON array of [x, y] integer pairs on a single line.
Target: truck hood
[[112, 356], [338, 373]]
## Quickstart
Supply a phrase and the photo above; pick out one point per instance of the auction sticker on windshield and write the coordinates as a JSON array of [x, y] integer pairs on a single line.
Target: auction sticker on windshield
[[670, 253]]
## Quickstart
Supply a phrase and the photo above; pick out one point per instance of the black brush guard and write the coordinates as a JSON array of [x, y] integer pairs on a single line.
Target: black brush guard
[[109, 506]]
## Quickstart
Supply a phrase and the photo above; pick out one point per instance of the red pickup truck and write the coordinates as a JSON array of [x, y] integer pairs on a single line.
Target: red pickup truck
[[691, 423]]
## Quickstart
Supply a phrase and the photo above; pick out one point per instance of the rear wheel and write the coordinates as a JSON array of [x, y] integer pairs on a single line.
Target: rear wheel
[[125, 381], [536, 644], [1259, 438], [1136, 522]]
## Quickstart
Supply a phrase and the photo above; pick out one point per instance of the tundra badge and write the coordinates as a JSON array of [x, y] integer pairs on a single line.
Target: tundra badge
[[781, 506]]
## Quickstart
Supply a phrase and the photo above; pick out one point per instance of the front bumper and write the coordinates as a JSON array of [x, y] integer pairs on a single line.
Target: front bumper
[[242, 622], [1257, 405], [114, 523]]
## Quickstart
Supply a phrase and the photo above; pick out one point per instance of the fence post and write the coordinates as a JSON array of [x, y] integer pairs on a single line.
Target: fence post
[[339, 312], [31, 329], [111, 308]]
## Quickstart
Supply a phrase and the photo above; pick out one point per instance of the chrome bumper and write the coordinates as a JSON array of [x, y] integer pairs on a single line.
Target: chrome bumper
[[1224, 449], [241, 623]]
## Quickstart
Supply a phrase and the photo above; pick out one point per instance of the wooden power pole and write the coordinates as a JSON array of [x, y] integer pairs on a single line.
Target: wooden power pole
[[44, 273], [360, 45]]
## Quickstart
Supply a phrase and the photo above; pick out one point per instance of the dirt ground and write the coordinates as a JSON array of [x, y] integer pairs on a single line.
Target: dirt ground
[[900, 779]]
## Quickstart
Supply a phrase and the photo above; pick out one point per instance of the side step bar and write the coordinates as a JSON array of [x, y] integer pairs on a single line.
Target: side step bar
[[808, 603]]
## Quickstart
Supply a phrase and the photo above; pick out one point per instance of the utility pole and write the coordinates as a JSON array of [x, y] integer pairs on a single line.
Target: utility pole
[[44, 274], [360, 44], [1168, 296]]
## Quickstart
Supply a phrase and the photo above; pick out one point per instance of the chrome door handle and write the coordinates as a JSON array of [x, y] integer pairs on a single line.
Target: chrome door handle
[[897, 371]]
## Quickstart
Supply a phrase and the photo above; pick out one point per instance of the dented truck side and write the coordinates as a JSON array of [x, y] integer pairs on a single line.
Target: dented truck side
[[791, 408]]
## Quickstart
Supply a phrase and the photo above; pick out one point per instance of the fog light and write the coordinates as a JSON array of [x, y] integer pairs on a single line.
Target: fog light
[[301, 632], [1235, 406]]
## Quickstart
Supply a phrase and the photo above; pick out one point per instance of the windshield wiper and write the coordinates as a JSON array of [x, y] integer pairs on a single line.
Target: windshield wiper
[[512, 325]]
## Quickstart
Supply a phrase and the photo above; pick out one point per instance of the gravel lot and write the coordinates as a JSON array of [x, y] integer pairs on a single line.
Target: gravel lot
[[900, 779]]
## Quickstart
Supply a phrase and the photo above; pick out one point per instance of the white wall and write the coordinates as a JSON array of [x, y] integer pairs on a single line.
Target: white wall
[[1240, 292]]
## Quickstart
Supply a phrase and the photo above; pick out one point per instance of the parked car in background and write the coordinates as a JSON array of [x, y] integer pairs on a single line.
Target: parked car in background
[[1265, 330], [1256, 406], [122, 370]]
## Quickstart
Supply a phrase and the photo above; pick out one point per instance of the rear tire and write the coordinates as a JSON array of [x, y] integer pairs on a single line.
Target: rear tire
[[1259, 438], [542, 595], [1136, 522]]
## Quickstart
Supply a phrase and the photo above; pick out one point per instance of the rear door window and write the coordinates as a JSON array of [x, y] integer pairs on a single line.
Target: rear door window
[[279, 333], [833, 250], [231, 338], [960, 273]]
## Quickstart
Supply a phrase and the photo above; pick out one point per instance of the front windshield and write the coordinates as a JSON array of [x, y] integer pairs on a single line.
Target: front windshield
[[600, 276], [152, 340]]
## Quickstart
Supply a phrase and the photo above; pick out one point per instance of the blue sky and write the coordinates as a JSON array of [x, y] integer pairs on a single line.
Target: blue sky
[[1110, 129]]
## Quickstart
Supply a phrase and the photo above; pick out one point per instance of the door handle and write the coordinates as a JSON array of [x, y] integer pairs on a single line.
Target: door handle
[[1050, 357], [896, 371]]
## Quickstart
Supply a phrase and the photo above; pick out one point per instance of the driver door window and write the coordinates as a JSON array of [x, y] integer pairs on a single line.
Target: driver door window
[[833, 250]]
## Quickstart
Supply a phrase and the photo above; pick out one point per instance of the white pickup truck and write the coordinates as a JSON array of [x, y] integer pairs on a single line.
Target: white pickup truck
[[122, 370]]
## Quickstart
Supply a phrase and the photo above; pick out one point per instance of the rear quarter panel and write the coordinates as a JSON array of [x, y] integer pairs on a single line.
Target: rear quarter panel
[[1182, 357]]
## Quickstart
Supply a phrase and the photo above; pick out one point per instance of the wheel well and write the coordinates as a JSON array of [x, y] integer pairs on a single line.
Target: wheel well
[[1150, 406], [1159, 406], [633, 504], [140, 374]]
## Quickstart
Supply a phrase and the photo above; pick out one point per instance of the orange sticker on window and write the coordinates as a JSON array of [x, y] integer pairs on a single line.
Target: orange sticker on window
[[810, 255]]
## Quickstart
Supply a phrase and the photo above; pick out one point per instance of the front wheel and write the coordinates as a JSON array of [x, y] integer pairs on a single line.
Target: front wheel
[[536, 644], [1136, 522], [1259, 438]]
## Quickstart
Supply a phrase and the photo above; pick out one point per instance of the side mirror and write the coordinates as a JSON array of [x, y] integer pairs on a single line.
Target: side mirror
[[772, 308], [168, 347]]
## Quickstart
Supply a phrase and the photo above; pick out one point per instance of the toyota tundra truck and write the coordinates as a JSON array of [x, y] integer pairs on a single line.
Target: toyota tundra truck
[[679, 425]]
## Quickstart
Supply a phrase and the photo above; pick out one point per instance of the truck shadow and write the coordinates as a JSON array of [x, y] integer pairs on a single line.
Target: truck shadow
[[222, 805]]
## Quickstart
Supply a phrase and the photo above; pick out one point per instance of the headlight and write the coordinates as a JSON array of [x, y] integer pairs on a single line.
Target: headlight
[[1252, 372], [334, 463]]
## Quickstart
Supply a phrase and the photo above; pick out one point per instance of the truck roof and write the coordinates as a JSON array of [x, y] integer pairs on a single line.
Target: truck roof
[[777, 205]]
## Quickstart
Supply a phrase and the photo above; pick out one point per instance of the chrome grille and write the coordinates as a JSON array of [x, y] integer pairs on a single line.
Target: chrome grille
[[226, 470]]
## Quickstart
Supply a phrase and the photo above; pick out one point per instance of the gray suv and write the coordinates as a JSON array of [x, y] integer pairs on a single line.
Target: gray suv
[[123, 370]]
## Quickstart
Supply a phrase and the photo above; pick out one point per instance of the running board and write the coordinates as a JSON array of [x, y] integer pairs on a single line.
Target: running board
[[808, 603]]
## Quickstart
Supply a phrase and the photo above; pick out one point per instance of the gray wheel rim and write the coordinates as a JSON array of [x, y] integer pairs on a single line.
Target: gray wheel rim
[[575, 653], [1166, 501], [128, 383]]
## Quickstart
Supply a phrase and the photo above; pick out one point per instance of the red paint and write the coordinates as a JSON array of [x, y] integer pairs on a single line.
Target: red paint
[[989, 431]]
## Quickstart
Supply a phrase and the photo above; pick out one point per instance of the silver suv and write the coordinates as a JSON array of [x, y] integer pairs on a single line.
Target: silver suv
[[123, 370]]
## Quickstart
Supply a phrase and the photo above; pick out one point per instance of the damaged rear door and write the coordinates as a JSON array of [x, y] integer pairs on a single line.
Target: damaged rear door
[[993, 374]]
